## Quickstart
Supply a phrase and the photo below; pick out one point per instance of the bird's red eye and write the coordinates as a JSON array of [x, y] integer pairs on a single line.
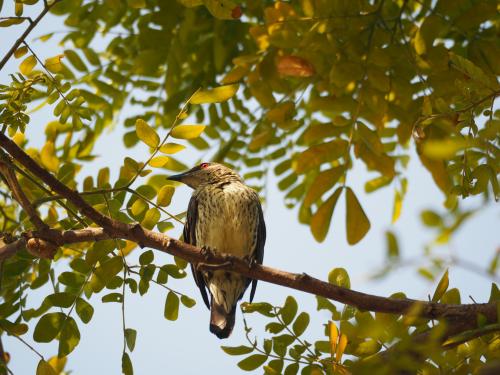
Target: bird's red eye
[[204, 165]]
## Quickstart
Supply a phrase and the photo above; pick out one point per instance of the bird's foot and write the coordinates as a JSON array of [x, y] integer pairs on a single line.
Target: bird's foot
[[250, 261], [207, 252]]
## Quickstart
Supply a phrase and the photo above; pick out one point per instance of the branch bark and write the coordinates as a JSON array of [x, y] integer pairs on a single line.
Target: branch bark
[[464, 315]]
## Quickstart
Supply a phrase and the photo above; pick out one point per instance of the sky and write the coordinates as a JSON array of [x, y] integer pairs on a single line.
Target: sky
[[186, 346]]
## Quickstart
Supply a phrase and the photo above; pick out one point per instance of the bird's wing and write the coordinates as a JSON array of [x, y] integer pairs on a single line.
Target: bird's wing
[[259, 248], [189, 235]]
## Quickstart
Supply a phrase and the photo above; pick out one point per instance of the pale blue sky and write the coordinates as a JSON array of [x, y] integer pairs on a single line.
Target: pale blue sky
[[186, 346]]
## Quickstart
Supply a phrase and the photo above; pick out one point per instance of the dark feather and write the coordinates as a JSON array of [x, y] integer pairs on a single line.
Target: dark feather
[[259, 248], [189, 235]]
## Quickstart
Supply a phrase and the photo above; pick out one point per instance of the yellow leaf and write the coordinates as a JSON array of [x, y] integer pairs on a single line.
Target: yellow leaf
[[53, 64], [357, 223], [320, 221], [443, 149], [158, 161], [235, 75], [282, 112], [165, 195], [316, 155], [49, 158], [171, 148], [137, 4], [146, 133], [341, 347], [57, 363], [260, 139], [27, 65], [398, 202], [216, 95], [44, 368], [441, 288], [322, 183], [20, 52], [187, 131], [333, 332]]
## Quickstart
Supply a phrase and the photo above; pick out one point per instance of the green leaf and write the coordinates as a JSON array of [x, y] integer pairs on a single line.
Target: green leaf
[[187, 301], [146, 257], [237, 350], [44, 368], [84, 310], [16, 329], [130, 336], [165, 195], [112, 297], [323, 182], [27, 65], [253, 362], [137, 4], [301, 323], [75, 60], [146, 133], [339, 277], [171, 306], [127, 368], [108, 269], [187, 131], [289, 310], [320, 221], [441, 288], [48, 327], [392, 244], [151, 218], [216, 95], [292, 369], [357, 223], [60, 299], [69, 337]]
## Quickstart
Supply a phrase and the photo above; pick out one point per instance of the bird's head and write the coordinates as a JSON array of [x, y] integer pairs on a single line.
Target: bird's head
[[206, 174]]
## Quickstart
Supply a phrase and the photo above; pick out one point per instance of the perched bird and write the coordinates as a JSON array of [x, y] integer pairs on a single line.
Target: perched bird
[[224, 215]]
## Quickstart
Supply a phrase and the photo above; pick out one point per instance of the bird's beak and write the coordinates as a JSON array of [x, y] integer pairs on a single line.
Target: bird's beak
[[178, 177]]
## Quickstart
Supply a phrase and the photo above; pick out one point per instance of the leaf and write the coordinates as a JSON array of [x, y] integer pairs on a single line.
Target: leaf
[[392, 244], [339, 277], [289, 310], [53, 64], [20, 52], [48, 327], [443, 149], [216, 95], [473, 71], [60, 299], [57, 363], [253, 362], [130, 336], [301, 323], [396, 209], [237, 350], [151, 218], [171, 148], [316, 155], [146, 257], [127, 368], [341, 347], [48, 157], [112, 297], [294, 66], [187, 301], [84, 310], [441, 287], [322, 183], [187, 131], [137, 4], [75, 60], [357, 223], [223, 9], [146, 133], [69, 337], [27, 65], [320, 221], [44, 368], [171, 306], [159, 161], [165, 195], [333, 334]]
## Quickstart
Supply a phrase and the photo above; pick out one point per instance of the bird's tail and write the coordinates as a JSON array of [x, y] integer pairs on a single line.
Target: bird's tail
[[221, 322]]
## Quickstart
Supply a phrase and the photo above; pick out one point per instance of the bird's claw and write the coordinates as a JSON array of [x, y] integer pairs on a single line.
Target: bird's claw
[[207, 252], [250, 261]]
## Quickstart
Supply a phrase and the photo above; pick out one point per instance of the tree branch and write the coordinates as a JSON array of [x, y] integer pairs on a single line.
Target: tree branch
[[464, 314], [28, 30]]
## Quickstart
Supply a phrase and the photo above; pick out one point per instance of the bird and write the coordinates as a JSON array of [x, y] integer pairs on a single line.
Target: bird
[[224, 216]]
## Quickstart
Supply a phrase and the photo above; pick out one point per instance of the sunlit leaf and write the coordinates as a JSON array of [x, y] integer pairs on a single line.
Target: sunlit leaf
[[357, 223], [320, 221], [441, 288], [187, 131], [215, 95], [146, 133], [171, 306]]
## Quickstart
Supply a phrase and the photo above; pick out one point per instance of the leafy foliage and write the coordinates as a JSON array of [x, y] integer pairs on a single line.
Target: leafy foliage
[[308, 89]]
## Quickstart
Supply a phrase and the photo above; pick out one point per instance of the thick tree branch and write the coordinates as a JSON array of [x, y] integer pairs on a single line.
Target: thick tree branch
[[17, 192], [465, 314], [28, 30]]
